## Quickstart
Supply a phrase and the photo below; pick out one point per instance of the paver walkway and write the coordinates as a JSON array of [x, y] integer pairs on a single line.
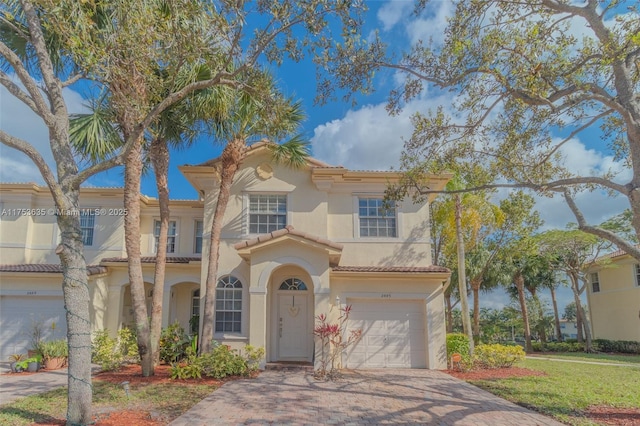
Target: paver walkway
[[361, 397], [14, 386]]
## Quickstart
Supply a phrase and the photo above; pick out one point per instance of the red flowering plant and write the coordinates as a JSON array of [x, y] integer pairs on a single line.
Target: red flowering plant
[[334, 341]]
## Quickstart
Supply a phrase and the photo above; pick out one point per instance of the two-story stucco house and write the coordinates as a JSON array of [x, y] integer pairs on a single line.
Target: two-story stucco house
[[613, 295], [296, 243]]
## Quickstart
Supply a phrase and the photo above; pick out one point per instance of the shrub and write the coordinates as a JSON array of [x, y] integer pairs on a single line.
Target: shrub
[[620, 346], [458, 343], [558, 347], [221, 362], [174, 343], [496, 356], [54, 349], [112, 353]]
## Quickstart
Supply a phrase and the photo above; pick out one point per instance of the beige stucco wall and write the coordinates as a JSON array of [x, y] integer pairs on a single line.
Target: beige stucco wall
[[615, 309]]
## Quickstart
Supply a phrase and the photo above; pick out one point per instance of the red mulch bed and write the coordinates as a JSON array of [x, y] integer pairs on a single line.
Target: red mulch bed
[[133, 375], [613, 416], [497, 373]]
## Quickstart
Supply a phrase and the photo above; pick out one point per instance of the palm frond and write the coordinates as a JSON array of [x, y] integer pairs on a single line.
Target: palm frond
[[294, 153], [94, 136]]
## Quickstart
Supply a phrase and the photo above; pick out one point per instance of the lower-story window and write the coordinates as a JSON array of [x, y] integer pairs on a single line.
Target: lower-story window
[[229, 305]]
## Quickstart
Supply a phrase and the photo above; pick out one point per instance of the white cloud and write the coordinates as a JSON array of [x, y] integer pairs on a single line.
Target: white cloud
[[20, 121], [369, 139], [394, 11], [432, 23]]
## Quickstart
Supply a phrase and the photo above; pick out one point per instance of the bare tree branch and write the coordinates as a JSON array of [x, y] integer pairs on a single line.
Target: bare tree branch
[[16, 91], [28, 82], [34, 155], [73, 79], [597, 231]]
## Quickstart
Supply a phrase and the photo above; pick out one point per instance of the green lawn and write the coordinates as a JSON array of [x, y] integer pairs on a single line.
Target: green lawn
[[598, 357], [166, 401], [569, 388]]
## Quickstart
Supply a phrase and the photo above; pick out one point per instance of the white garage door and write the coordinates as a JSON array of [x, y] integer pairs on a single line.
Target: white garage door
[[393, 334], [18, 314]]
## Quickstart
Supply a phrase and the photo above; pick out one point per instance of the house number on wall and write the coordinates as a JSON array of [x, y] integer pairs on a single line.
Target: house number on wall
[[385, 296], [31, 293]]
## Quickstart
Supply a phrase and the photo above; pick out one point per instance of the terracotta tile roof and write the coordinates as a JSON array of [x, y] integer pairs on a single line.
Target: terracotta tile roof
[[51, 268], [284, 231], [613, 254], [152, 259], [405, 269]]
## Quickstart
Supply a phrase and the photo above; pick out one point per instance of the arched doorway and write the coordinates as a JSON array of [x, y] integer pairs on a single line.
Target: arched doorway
[[292, 308]]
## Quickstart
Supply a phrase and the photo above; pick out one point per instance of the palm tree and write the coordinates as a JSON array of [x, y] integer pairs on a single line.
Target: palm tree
[[98, 134], [249, 118]]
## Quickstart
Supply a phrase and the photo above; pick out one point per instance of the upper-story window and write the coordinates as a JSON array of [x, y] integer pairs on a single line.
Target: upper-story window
[[375, 219], [171, 235], [267, 213], [637, 274], [197, 238], [595, 282], [87, 224]]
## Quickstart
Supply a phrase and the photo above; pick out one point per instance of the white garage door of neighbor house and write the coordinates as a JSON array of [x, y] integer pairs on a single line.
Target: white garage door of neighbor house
[[18, 314], [393, 334]]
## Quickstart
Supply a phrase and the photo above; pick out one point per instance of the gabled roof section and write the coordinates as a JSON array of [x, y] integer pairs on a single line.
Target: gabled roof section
[[245, 248], [615, 254], [48, 268], [257, 148]]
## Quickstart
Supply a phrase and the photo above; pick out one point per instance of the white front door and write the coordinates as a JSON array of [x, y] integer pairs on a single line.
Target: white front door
[[293, 327]]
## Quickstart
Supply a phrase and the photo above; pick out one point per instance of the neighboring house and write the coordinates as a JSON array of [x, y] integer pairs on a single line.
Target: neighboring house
[[296, 243], [613, 293], [569, 329]]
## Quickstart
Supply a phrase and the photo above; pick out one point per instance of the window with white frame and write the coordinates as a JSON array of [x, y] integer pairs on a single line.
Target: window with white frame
[[171, 235], [376, 220], [637, 274], [595, 282], [267, 213], [197, 238], [229, 305], [87, 225]]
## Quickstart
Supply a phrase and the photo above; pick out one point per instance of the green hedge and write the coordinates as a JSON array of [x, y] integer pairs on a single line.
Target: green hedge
[[558, 347], [620, 346]]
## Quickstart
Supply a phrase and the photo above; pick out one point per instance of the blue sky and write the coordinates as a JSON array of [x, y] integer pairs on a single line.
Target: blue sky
[[360, 137]]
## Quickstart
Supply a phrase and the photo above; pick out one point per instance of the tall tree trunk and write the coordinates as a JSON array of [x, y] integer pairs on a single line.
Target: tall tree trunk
[[159, 154], [475, 287], [132, 175], [449, 312], [518, 279], [76, 301], [462, 277], [556, 315], [575, 287], [230, 161]]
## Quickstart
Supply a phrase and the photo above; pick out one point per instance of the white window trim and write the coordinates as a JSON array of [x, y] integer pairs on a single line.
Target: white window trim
[[195, 227], [245, 208], [176, 246], [244, 318], [356, 220], [57, 235]]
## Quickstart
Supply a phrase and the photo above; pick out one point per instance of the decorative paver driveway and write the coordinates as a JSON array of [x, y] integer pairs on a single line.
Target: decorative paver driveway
[[361, 397]]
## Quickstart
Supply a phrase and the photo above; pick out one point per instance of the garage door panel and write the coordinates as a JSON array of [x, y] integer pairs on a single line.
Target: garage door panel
[[19, 313], [393, 334]]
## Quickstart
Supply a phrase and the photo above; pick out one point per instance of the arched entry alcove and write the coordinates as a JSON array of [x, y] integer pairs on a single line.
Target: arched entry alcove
[[291, 313]]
